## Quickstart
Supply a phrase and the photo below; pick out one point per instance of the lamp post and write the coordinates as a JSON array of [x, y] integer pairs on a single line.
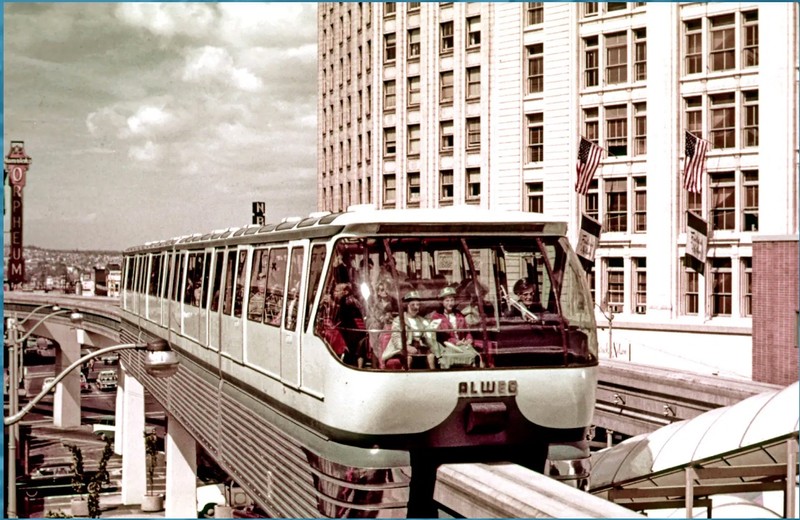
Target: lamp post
[[610, 317], [161, 361], [14, 340]]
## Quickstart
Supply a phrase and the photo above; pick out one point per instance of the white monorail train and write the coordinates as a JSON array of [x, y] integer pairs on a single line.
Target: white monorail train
[[331, 379]]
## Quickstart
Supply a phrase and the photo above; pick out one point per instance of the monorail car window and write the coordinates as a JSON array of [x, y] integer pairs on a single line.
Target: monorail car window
[[155, 273], [177, 283], [206, 275], [129, 273], [230, 269], [215, 292], [276, 279], [240, 276], [169, 260], [258, 285], [295, 274], [314, 276], [487, 277], [140, 288]]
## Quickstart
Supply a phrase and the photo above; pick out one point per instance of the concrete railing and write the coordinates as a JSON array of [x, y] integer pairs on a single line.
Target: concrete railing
[[511, 491]]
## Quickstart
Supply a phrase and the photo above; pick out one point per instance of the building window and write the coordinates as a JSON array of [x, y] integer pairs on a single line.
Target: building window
[[473, 178], [368, 105], [389, 95], [390, 141], [360, 150], [694, 46], [616, 6], [590, 8], [694, 203], [616, 205], [446, 136], [617, 130], [473, 32], [747, 286], [535, 12], [348, 152], [413, 91], [368, 147], [640, 129], [694, 115], [413, 43], [413, 189], [723, 43], [535, 196], [591, 62], [590, 282], [389, 46], [473, 133], [750, 43], [413, 6], [473, 82], [615, 285], [640, 54], [591, 201], [591, 124], [640, 298], [750, 200], [413, 139], [446, 187], [691, 291], [446, 42], [535, 68], [750, 109], [446, 87], [389, 8], [640, 204], [721, 286], [723, 120], [389, 190], [535, 144], [723, 200], [616, 58], [369, 56]]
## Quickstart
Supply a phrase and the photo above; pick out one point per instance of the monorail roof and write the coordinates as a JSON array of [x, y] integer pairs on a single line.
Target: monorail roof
[[328, 224]]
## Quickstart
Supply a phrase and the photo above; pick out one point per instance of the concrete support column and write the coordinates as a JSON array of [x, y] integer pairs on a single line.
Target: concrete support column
[[119, 411], [67, 400], [181, 499], [134, 481]]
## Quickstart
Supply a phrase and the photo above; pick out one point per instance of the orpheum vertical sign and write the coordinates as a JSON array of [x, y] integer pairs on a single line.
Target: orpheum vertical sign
[[16, 167]]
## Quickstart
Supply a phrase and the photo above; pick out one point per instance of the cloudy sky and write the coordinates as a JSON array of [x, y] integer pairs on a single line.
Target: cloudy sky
[[147, 121]]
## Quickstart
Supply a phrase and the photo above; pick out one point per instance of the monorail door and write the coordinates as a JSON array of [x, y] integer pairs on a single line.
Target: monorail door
[[291, 344], [232, 301]]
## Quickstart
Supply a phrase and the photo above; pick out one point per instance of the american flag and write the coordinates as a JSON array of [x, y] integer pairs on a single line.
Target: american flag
[[588, 161], [694, 164]]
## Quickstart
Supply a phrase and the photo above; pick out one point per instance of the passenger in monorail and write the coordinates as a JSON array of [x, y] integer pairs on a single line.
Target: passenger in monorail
[[381, 310], [420, 338], [344, 324]]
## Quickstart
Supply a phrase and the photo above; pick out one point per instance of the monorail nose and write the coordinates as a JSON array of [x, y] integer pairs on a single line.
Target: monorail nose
[[482, 418]]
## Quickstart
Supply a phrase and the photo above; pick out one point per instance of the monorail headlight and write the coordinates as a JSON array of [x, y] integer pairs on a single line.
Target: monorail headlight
[[160, 360]]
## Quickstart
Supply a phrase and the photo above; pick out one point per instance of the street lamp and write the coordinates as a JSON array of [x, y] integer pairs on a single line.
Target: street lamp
[[28, 316], [610, 317], [161, 361]]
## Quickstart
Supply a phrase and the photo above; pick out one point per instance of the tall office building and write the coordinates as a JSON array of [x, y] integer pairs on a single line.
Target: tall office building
[[437, 104]]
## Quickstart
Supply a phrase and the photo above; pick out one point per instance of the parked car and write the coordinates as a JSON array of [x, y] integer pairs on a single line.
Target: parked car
[[106, 380], [49, 479]]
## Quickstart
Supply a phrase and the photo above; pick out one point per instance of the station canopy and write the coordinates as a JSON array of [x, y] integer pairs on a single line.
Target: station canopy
[[754, 431]]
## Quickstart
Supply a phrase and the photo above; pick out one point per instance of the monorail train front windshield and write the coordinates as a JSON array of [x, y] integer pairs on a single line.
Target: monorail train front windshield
[[453, 303]]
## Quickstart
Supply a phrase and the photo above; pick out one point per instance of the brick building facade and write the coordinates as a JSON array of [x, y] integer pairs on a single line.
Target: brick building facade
[[775, 309]]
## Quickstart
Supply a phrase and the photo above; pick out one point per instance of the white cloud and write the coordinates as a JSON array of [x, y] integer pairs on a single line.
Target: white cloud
[[147, 120], [169, 19], [145, 153], [214, 65]]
